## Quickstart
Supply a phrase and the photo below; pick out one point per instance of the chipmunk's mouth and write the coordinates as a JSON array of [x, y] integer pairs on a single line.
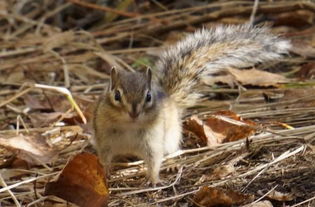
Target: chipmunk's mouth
[[134, 115]]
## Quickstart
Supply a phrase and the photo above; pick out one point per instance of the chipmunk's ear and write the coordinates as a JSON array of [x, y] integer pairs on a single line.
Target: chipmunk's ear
[[149, 76], [113, 78]]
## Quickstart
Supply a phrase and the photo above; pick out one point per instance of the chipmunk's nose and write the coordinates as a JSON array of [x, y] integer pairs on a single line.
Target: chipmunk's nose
[[134, 113]]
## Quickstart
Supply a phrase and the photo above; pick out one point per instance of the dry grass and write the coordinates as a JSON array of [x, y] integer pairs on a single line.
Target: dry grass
[[33, 49]]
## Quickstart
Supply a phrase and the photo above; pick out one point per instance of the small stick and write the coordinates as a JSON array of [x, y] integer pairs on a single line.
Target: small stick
[[19, 94], [103, 8], [65, 68], [252, 16], [308, 200], [68, 94], [10, 192], [6, 188], [156, 188], [259, 199]]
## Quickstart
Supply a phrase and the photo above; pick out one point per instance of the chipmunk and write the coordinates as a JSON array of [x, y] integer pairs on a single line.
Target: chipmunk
[[140, 114]]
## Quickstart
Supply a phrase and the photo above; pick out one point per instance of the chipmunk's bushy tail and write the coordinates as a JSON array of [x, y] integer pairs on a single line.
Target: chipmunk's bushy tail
[[209, 51]]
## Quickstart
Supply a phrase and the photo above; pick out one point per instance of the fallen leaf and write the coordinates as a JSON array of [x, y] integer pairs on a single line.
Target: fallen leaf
[[221, 172], [20, 164], [298, 18], [260, 204], [44, 119], [300, 95], [82, 182], [58, 40], [307, 71], [230, 126], [55, 103], [256, 77], [205, 133], [208, 197], [34, 149], [222, 78], [303, 48], [54, 201], [16, 76], [48, 110], [278, 196], [220, 127], [251, 77]]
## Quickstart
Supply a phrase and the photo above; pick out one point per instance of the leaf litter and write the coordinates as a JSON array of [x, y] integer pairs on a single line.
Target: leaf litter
[[40, 44], [81, 182]]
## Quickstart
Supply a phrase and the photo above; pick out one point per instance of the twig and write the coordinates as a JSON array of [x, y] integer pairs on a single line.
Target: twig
[[18, 120], [64, 66], [103, 8], [37, 201], [156, 188], [175, 197], [252, 16], [308, 200], [19, 94], [254, 178], [160, 5], [10, 192], [17, 52], [278, 159], [68, 95], [50, 14], [26, 181], [259, 199]]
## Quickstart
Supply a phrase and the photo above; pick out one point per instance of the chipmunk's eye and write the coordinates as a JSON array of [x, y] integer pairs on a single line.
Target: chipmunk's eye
[[117, 96], [148, 97]]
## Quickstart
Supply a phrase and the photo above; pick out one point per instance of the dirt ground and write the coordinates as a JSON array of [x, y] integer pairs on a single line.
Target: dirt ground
[[49, 46]]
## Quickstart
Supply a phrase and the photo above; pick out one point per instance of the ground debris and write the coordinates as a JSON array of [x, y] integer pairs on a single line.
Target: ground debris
[[74, 44]]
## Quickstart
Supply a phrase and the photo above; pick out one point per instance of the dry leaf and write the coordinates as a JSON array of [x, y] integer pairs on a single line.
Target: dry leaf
[[34, 102], [82, 182], [54, 201], [221, 172], [296, 94], [58, 40], [223, 78], [307, 71], [252, 77], [44, 119], [260, 204], [204, 132], [54, 102], [34, 149], [57, 106], [299, 18], [303, 48], [278, 196], [230, 126], [18, 163], [223, 126], [195, 125], [256, 77], [16, 76], [208, 197]]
